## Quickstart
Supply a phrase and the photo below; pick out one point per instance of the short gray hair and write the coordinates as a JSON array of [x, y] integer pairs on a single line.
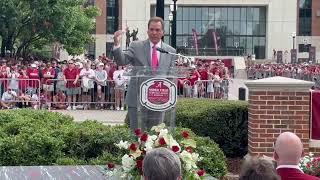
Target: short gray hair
[[161, 163]]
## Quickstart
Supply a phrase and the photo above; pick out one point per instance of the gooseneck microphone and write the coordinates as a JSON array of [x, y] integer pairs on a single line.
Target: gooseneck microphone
[[189, 59], [162, 50]]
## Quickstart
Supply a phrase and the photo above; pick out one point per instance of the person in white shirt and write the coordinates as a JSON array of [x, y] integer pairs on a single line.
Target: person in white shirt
[[101, 77], [120, 85], [87, 76], [8, 99]]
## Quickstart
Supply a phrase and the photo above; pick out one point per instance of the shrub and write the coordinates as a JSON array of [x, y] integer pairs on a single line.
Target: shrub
[[46, 138], [225, 122]]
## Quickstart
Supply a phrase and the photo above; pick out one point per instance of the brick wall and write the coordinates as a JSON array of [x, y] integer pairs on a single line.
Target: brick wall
[[276, 105], [274, 112]]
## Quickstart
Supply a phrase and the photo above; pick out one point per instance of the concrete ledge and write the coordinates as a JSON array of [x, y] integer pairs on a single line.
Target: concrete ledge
[[314, 143], [279, 83]]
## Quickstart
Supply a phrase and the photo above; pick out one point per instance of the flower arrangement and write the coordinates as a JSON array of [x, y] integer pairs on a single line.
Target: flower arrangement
[[131, 164], [310, 165]]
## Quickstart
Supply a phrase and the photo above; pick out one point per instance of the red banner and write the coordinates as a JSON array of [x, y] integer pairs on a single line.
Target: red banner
[[315, 115]]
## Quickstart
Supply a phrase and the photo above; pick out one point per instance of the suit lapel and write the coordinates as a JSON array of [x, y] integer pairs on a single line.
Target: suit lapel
[[147, 52], [162, 60]]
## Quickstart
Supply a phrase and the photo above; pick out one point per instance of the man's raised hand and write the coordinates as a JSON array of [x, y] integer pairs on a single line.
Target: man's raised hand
[[117, 37]]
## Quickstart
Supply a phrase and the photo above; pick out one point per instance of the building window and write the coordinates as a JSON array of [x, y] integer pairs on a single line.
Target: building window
[[112, 16], [304, 47], [305, 17], [91, 50], [221, 31]]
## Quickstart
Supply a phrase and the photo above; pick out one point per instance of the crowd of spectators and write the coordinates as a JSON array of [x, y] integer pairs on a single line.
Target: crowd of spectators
[[305, 71], [207, 79], [72, 84], [93, 84]]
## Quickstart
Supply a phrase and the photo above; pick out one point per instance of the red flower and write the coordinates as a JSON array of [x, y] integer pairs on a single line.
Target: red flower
[[189, 149], [144, 137], [175, 149], [133, 147], [201, 172], [110, 165], [138, 132], [139, 164], [185, 134], [162, 141], [308, 165]]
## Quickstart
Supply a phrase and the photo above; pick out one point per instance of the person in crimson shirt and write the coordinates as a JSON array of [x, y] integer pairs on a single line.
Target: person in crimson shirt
[[71, 77], [34, 82], [23, 82], [48, 74], [287, 153], [4, 71]]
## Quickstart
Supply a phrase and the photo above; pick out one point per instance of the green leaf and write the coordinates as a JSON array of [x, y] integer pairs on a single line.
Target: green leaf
[[189, 142]]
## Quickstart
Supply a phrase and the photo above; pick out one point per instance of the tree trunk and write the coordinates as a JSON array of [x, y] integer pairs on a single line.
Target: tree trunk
[[3, 48]]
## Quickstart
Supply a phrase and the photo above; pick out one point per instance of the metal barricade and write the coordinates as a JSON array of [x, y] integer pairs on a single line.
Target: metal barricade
[[88, 94], [211, 89], [20, 92]]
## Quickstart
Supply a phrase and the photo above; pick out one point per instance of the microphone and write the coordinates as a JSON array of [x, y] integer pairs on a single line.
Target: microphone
[[162, 50]]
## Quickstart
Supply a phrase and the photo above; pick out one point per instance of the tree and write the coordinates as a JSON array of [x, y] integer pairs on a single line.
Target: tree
[[27, 24]]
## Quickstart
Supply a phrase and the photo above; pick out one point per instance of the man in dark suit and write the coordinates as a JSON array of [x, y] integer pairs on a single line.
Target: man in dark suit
[[144, 54], [287, 152]]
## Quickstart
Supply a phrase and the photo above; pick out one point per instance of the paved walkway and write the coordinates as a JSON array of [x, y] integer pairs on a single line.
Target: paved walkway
[[104, 116]]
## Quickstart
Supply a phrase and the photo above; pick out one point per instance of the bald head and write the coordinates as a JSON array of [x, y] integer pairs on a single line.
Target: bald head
[[288, 149]]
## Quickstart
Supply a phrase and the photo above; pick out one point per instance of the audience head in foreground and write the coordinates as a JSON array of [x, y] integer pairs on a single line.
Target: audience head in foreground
[[287, 152], [161, 163], [255, 168], [288, 149]]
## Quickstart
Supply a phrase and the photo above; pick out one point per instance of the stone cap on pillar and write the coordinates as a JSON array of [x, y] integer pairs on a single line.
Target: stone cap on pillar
[[279, 83]]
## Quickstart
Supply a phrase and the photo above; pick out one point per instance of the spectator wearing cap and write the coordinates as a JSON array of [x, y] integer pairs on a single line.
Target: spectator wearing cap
[[71, 77], [101, 77], [34, 79]]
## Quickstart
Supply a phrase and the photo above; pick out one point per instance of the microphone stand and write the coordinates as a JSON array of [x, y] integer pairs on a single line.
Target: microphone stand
[[189, 59]]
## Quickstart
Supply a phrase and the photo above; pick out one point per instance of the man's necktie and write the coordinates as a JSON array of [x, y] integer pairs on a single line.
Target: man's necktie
[[155, 61]]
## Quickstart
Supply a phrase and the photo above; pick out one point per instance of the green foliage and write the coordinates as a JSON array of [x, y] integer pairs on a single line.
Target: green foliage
[[225, 122], [46, 138], [26, 24]]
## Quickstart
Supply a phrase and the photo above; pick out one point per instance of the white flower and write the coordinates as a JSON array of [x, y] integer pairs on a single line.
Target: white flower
[[123, 145], [189, 160], [163, 132], [152, 138], [127, 163], [148, 146], [158, 128], [195, 156]]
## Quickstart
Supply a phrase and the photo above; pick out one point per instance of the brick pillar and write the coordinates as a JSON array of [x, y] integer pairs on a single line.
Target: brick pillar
[[276, 105]]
